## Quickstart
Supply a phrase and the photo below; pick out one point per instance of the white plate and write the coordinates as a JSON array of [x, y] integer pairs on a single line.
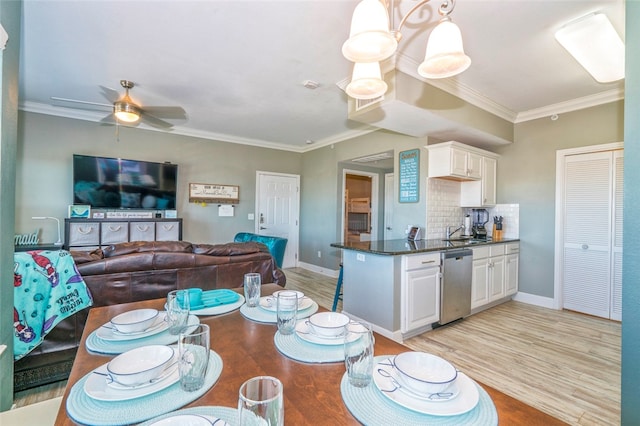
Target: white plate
[[304, 332], [269, 303], [107, 332], [190, 420], [466, 399], [96, 386], [220, 309]]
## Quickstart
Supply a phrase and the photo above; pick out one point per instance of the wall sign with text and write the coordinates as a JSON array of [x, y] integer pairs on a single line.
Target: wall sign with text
[[409, 176], [212, 193]]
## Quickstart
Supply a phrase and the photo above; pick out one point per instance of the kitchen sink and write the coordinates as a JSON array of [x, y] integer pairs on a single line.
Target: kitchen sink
[[464, 240]]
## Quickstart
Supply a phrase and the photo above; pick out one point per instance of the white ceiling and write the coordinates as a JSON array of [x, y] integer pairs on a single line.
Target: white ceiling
[[238, 67]]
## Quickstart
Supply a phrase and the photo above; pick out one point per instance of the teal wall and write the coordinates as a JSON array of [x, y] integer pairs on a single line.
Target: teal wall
[[9, 59], [631, 245]]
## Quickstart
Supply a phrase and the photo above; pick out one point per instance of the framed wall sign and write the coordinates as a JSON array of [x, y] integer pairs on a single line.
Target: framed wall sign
[[213, 193], [409, 176]]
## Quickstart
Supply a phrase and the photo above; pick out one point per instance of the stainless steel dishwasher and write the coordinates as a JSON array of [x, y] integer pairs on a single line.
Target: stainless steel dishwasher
[[455, 287]]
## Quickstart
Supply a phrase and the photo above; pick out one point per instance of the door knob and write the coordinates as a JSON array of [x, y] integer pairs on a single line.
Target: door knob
[[388, 228], [262, 227]]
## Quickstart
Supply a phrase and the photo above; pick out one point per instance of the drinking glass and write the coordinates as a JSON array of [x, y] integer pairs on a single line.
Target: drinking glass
[[287, 311], [252, 282], [193, 348], [358, 353], [177, 310], [260, 402]]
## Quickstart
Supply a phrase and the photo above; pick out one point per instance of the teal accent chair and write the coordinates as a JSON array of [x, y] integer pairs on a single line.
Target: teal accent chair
[[276, 245]]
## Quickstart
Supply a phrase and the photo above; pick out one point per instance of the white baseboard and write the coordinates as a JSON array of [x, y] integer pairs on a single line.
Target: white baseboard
[[532, 299], [318, 269]]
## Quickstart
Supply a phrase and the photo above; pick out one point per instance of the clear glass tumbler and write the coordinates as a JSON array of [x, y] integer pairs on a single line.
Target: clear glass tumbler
[[287, 311], [358, 353], [252, 283], [193, 348], [177, 310], [261, 402]]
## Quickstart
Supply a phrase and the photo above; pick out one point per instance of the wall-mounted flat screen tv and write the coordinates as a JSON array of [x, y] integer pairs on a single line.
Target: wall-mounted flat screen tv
[[115, 183]]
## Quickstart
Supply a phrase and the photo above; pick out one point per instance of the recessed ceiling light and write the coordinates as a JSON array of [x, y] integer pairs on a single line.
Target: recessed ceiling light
[[309, 142]]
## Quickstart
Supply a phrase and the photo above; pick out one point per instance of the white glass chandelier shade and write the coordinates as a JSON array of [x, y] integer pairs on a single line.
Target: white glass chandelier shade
[[126, 111], [369, 39], [366, 81], [596, 45], [444, 56]]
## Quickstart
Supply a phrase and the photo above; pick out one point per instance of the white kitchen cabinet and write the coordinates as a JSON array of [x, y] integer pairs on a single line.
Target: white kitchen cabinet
[[481, 193], [420, 291], [495, 273], [496, 277], [479, 281], [455, 161], [511, 265]]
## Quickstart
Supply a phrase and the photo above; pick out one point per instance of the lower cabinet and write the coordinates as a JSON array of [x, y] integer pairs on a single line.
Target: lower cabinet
[[495, 273], [420, 291], [511, 265]]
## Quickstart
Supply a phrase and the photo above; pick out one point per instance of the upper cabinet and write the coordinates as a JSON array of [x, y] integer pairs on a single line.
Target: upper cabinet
[[454, 160], [474, 167]]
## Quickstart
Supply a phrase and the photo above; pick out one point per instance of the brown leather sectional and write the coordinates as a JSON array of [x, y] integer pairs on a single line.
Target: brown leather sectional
[[140, 270]]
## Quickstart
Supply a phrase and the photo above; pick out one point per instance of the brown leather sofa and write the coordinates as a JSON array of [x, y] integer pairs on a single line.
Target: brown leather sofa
[[139, 270]]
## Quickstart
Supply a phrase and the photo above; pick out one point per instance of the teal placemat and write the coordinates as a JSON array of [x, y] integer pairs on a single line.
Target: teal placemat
[[259, 314], [111, 347], [85, 410], [294, 347], [370, 406], [229, 415]]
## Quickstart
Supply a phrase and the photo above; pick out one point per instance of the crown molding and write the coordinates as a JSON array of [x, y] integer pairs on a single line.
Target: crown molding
[[409, 66], [572, 105]]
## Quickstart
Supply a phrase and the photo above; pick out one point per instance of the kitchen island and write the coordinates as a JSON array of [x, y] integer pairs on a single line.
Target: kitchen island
[[396, 284]]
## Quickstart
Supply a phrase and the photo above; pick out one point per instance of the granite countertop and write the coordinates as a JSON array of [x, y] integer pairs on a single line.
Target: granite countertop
[[400, 247]]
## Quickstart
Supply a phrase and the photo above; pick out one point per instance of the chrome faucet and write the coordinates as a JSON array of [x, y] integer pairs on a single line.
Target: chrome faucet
[[450, 233]]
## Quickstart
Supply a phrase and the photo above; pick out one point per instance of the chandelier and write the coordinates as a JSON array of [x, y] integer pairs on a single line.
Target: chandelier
[[371, 41]]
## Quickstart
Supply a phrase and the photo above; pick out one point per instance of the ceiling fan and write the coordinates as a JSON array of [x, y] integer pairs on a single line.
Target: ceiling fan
[[128, 112]]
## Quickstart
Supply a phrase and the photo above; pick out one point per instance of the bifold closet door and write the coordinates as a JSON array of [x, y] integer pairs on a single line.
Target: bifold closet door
[[592, 193]]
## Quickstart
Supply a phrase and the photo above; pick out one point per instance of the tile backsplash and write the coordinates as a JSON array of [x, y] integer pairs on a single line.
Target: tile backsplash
[[443, 209]]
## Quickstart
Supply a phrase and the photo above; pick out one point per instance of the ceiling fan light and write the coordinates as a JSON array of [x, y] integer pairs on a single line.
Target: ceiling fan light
[[444, 56], [366, 81], [369, 39], [596, 45], [127, 112]]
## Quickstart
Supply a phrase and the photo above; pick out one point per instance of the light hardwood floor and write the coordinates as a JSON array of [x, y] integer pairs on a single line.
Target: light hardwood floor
[[563, 363]]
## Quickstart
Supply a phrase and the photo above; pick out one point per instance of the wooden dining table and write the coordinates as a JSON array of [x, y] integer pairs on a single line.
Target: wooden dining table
[[311, 391]]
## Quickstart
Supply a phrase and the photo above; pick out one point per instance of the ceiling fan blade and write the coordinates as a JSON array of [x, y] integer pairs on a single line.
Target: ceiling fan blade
[[108, 119], [154, 121], [64, 102], [110, 94], [174, 112]]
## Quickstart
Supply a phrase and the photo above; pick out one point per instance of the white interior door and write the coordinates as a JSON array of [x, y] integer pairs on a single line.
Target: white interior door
[[592, 233], [278, 211]]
